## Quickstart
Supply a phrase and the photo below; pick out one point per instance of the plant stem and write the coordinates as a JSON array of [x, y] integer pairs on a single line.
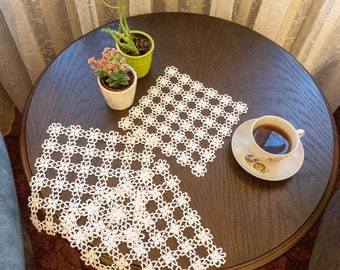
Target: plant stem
[[123, 35]]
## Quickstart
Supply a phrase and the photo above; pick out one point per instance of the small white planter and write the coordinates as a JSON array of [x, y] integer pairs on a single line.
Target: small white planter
[[119, 99]]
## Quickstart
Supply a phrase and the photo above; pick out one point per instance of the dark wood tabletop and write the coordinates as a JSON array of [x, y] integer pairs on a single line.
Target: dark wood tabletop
[[253, 220]]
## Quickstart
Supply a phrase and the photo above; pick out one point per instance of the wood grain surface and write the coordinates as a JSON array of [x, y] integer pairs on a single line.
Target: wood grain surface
[[253, 220]]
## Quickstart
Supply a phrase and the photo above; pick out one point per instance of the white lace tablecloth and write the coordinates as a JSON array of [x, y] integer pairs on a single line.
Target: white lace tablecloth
[[129, 208]]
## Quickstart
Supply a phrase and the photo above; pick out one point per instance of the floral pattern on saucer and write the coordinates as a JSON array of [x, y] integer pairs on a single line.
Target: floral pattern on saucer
[[273, 171], [256, 163]]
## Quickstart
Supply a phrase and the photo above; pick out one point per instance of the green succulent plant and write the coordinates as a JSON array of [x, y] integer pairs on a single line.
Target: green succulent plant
[[122, 36]]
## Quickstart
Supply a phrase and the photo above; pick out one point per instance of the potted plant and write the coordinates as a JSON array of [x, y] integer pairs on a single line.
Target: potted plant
[[116, 79], [136, 46]]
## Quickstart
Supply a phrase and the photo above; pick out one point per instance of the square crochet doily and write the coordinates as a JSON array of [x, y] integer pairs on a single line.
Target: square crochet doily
[[111, 199], [190, 120]]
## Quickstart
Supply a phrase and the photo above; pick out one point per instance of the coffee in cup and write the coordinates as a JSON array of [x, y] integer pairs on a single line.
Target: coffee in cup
[[274, 138]]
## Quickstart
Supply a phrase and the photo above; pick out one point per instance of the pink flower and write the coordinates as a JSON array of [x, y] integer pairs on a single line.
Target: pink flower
[[111, 65], [124, 67]]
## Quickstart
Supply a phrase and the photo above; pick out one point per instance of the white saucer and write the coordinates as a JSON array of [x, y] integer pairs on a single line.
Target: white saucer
[[274, 171]]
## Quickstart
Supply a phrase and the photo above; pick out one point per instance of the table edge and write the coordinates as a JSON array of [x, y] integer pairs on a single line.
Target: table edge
[[260, 261], [284, 247]]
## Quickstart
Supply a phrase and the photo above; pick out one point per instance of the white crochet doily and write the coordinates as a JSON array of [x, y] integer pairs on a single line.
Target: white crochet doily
[[108, 196], [190, 120]]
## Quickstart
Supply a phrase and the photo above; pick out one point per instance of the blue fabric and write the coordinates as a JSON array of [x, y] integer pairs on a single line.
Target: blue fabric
[[11, 241]]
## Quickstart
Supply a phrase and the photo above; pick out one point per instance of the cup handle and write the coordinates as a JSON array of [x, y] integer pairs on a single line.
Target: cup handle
[[300, 133]]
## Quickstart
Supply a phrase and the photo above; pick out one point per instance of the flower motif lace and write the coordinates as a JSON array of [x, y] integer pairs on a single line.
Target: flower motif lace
[[113, 211], [189, 119], [109, 196]]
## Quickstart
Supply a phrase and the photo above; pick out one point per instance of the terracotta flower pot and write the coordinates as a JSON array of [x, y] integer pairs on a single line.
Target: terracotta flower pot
[[121, 98]]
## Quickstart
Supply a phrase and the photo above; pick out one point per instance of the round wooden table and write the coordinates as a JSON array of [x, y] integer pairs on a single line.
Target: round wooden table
[[253, 220]]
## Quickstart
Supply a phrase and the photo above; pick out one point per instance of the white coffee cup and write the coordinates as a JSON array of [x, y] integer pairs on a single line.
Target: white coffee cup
[[274, 138]]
